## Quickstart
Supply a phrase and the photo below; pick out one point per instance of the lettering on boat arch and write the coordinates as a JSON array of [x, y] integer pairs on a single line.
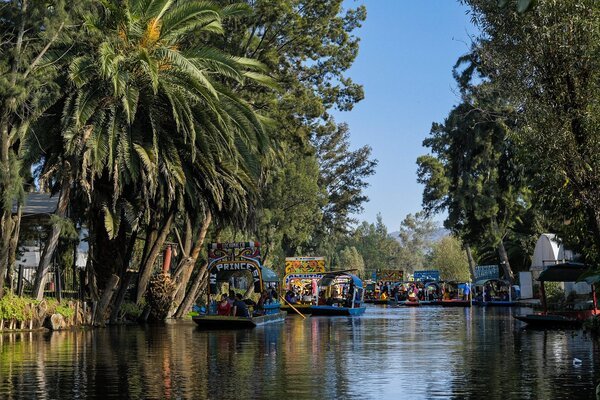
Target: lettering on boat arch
[[224, 258], [304, 265], [390, 275]]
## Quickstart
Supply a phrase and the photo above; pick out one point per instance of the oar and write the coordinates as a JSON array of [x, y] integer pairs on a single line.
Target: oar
[[293, 308]]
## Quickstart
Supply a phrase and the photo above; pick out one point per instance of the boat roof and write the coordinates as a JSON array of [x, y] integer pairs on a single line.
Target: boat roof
[[268, 275], [563, 272], [482, 282], [329, 277]]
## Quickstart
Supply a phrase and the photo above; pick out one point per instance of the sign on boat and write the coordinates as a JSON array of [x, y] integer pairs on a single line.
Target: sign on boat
[[226, 260], [300, 282]]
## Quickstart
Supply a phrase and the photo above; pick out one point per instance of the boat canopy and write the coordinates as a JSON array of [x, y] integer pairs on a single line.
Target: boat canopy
[[268, 275], [482, 282], [564, 272], [330, 277]]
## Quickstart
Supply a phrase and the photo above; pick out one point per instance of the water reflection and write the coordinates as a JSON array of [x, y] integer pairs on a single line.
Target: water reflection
[[426, 353]]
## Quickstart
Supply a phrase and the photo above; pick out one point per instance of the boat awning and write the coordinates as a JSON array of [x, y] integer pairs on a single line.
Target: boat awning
[[268, 275], [564, 272], [330, 277], [482, 282]]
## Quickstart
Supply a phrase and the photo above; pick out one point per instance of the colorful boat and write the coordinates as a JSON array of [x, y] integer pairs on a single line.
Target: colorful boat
[[302, 273], [340, 293], [227, 260], [564, 272], [455, 294]]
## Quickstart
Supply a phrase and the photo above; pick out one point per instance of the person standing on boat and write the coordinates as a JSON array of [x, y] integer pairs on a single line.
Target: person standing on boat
[[224, 308], [240, 309]]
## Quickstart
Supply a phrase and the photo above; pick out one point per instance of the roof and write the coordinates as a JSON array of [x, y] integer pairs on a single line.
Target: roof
[[329, 278], [564, 272], [38, 203]]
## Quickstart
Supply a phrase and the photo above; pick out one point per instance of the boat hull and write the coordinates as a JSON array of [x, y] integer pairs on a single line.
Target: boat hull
[[558, 318], [228, 322], [303, 308], [332, 310]]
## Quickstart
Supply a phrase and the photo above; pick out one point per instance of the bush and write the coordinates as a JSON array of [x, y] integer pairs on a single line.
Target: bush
[[555, 295]]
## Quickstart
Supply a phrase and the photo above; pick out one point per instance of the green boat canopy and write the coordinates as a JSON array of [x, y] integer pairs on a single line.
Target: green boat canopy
[[330, 277], [564, 272], [482, 282], [268, 275]]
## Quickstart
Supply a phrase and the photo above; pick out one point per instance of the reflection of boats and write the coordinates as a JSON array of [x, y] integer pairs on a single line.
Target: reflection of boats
[[303, 273], [337, 283], [226, 260], [565, 272], [493, 293]]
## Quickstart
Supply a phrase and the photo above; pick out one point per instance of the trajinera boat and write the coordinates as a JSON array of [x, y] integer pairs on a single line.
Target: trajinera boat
[[493, 293], [573, 317], [340, 293], [300, 283], [240, 259]]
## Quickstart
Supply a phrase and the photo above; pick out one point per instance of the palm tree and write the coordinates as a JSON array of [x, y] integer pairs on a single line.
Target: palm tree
[[150, 116]]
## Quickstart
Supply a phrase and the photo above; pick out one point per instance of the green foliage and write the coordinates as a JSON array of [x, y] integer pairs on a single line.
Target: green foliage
[[416, 238], [131, 310], [545, 62], [448, 256], [555, 295], [16, 308], [350, 258]]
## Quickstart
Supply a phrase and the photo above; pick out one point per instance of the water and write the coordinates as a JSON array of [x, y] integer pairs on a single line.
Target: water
[[389, 353]]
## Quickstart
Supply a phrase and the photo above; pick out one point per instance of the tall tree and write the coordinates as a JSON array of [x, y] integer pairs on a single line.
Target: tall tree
[[545, 62], [448, 256], [31, 35]]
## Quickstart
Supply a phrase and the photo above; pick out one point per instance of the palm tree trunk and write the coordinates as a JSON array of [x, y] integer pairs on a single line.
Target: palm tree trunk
[[471, 261], [192, 293], [52, 241], [147, 268], [508, 274], [186, 265]]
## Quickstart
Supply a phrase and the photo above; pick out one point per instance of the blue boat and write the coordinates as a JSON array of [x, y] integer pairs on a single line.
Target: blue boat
[[340, 293]]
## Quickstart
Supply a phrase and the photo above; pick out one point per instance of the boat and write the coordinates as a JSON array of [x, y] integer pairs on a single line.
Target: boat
[[563, 272], [493, 293], [455, 294], [302, 273], [236, 259], [340, 293]]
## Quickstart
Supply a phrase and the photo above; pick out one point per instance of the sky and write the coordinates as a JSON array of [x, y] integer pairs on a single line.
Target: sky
[[407, 51]]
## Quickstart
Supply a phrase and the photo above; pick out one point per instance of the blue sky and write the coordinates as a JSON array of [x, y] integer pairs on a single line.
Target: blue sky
[[407, 51]]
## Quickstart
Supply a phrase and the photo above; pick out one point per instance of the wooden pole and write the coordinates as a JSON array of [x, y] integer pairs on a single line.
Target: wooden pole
[[594, 298]]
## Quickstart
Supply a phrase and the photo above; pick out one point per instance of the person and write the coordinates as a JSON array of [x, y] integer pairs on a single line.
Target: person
[[240, 309], [290, 297], [231, 298], [224, 308], [260, 306]]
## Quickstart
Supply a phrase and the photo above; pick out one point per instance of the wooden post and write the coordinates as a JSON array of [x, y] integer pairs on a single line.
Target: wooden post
[[167, 259], [543, 293], [20, 281]]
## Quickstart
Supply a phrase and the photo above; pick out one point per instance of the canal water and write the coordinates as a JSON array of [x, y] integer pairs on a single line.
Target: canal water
[[388, 353]]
